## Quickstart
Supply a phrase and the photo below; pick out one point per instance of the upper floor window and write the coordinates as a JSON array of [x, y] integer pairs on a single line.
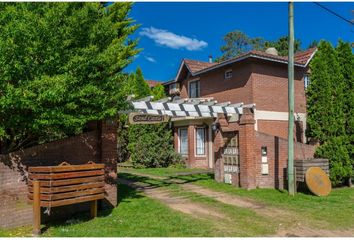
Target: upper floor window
[[228, 74], [173, 86], [194, 89], [306, 80]]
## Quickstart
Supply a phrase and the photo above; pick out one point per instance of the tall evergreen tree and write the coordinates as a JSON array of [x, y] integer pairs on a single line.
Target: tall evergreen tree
[[142, 88], [346, 63], [158, 92], [326, 110], [325, 95]]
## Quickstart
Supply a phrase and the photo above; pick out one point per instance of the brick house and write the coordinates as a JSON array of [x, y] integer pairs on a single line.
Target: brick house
[[249, 151]]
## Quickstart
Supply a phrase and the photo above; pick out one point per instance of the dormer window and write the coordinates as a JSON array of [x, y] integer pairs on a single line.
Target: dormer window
[[228, 74]]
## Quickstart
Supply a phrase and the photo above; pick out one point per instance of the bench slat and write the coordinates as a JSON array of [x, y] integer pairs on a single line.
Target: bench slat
[[65, 168], [59, 196], [69, 188], [65, 175], [55, 183]]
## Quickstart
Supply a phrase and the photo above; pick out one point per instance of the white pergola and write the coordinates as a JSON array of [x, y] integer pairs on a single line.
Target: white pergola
[[188, 107]]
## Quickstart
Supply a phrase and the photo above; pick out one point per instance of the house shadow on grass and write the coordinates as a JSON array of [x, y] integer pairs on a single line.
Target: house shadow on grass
[[125, 194], [150, 183]]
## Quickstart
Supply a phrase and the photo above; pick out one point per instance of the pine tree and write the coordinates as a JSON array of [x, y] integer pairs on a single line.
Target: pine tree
[[326, 111], [142, 89], [325, 95], [346, 63], [158, 92]]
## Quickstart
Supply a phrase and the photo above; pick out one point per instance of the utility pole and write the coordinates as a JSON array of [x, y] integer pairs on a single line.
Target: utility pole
[[291, 183]]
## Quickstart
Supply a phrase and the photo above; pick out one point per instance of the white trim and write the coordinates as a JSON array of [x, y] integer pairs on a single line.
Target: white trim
[[308, 60], [179, 141], [227, 71], [210, 147], [195, 142], [278, 116]]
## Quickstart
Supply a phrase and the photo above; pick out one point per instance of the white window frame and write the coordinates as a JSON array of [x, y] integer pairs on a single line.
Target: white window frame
[[179, 141], [307, 80], [228, 74], [189, 88], [196, 142]]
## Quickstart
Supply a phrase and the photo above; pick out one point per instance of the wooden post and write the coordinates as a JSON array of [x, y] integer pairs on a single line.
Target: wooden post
[[36, 208], [94, 209]]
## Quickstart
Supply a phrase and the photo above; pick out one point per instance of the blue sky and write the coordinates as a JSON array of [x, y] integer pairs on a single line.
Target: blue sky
[[170, 31]]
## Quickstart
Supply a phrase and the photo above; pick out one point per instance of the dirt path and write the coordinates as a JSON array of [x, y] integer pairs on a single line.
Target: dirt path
[[179, 204], [290, 224], [242, 202]]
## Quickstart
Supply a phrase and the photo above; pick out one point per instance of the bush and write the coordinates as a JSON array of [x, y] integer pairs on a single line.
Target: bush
[[152, 146], [335, 149]]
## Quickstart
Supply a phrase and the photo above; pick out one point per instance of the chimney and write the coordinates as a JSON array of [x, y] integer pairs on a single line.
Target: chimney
[[210, 58], [272, 51]]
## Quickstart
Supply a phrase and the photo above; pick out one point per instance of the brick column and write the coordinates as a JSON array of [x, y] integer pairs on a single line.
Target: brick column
[[191, 158], [247, 139], [219, 163], [109, 155]]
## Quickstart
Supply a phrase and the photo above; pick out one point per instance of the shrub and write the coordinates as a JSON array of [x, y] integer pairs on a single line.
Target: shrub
[[336, 150], [152, 146]]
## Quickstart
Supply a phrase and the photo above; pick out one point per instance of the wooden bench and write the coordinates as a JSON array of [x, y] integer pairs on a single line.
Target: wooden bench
[[53, 186]]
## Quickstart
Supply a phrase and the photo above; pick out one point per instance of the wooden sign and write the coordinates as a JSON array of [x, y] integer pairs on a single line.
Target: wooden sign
[[144, 118], [318, 181]]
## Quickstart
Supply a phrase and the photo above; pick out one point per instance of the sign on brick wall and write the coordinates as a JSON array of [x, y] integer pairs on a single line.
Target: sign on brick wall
[[143, 118]]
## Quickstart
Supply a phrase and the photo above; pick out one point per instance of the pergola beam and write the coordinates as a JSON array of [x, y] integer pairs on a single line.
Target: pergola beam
[[188, 107]]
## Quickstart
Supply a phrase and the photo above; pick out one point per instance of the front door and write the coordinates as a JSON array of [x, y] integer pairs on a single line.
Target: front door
[[231, 159]]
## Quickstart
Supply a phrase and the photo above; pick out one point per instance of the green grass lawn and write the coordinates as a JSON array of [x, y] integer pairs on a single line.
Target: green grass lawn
[[335, 211], [140, 216], [163, 172], [136, 216]]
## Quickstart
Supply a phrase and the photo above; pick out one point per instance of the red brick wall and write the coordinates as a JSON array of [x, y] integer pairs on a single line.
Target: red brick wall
[[14, 209], [280, 129], [254, 81], [193, 161], [270, 87], [247, 142], [277, 154], [212, 84]]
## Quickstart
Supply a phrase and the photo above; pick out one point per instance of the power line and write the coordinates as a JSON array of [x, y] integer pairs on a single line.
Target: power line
[[334, 13]]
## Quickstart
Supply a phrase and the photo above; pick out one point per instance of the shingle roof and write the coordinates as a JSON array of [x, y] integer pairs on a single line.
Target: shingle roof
[[195, 66], [303, 57], [153, 83], [300, 58]]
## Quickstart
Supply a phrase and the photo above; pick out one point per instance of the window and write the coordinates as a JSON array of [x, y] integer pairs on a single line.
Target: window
[[194, 89], [200, 139], [173, 88], [306, 80], [228, 74], [183, 141]]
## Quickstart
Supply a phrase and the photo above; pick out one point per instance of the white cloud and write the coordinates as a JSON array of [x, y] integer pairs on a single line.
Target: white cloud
[[169, 39], [150, 59]]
